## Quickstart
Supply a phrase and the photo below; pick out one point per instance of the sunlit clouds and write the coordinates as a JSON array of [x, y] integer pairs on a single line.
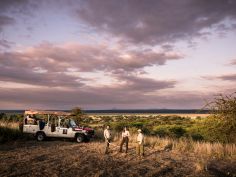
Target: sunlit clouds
[[115, 54]]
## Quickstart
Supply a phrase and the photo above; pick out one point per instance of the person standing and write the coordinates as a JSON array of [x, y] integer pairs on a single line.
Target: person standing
[[125, 139], [140, 143], [107, 136]]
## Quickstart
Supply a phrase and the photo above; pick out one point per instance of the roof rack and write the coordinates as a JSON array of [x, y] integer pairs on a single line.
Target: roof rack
[[59, 113]]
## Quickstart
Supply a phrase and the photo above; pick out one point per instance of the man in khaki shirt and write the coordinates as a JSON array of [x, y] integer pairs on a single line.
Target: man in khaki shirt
[[140, 143]]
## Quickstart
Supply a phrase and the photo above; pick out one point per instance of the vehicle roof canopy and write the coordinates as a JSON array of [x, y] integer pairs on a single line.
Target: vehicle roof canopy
[[59, 113]]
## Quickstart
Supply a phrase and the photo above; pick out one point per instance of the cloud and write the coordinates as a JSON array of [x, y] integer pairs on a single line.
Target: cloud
[[7, 4], [10, 9], [5, 44], [48, 64], [96, 98], [56, 70], [86, 58], [233, 62], [153, 22], [225, 77], [133, 83], [33, 76], [229, 77], [5, 20]]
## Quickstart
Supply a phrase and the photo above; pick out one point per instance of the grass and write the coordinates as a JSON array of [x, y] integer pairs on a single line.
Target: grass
[[199, 148], [191, 155], [9, 131]]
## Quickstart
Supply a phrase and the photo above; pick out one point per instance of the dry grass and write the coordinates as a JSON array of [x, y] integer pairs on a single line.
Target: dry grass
[[203, 149], [163, 157], [65, 158], [12, 125]]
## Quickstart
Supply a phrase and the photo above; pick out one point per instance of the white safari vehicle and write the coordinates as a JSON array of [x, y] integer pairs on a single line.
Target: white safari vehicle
[[56, 124]]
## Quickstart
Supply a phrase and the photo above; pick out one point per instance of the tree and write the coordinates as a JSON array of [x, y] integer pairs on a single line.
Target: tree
[[77, 111], [223, 120], [3, 116], [78, 114]]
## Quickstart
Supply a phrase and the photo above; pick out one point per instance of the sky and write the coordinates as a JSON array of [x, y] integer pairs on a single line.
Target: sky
[[109, 54]]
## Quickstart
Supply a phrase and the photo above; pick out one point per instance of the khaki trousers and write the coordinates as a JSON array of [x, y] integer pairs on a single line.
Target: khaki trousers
[[140, 149]]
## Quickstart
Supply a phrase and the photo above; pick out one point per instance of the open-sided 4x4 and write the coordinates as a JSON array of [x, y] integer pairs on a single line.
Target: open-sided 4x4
[[56, 124]]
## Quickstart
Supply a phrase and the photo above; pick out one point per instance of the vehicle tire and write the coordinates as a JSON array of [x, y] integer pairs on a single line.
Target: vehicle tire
[[79, 138], [40, 136]]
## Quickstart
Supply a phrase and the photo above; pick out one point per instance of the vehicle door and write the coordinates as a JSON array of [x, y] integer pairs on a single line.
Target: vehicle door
[[51, 128], [64, 129], [30, 125]]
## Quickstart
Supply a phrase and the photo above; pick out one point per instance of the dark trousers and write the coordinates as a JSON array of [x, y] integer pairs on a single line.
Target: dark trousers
[[126, 141], [107, 141]]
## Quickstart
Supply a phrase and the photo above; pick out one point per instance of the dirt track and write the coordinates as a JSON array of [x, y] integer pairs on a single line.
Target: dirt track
[[65, 158]]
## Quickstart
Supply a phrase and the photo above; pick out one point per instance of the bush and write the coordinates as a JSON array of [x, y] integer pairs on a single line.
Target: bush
[[118, 126], [174, 131], [136, 124], [197, 137], [3, 116], [161, 131], [221, 126], [177, 131]]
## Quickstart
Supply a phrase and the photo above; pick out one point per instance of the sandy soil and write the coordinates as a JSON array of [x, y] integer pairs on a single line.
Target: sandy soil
[[66, 158]]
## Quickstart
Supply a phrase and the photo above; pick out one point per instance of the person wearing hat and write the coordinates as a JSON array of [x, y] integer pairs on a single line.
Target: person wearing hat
[[140, 143]]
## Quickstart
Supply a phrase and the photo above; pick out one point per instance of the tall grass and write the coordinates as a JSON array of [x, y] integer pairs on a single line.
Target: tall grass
[[9, 131], [204, 150]]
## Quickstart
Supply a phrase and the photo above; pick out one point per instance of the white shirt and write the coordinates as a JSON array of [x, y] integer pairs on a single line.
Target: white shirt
[[107, 134], [140, 138], [125, 134]]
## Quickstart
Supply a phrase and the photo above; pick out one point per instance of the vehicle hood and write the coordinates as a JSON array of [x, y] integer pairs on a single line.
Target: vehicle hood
[[83, 128]]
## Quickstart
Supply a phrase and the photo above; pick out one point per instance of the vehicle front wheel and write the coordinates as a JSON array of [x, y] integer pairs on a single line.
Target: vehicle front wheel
[[79, 138], [40, 136]]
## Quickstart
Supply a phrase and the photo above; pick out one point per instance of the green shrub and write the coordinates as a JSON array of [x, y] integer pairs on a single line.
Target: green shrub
[[197, 137], [221, 126], [136, 124], [174, 131], [161, 131], [3, 116], [118, 126], [177, 131]]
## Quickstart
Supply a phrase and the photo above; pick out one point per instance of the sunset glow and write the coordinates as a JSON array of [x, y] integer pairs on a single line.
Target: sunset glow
[[105, 54]]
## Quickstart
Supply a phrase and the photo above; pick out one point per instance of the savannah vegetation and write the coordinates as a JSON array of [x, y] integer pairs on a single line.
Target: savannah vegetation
[[204, 143], [219, 126]]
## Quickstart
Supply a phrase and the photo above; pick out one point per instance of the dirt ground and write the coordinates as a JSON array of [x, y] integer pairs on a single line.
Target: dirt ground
[[66, 158]]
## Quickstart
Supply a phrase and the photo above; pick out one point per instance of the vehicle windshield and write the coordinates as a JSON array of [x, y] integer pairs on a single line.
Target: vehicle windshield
[[72, 123]]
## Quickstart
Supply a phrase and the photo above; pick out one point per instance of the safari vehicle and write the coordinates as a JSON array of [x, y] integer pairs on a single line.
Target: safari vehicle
[[56, 124]]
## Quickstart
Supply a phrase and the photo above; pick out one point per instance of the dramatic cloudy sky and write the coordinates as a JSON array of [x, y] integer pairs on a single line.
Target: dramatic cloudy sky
[[105, 54]]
